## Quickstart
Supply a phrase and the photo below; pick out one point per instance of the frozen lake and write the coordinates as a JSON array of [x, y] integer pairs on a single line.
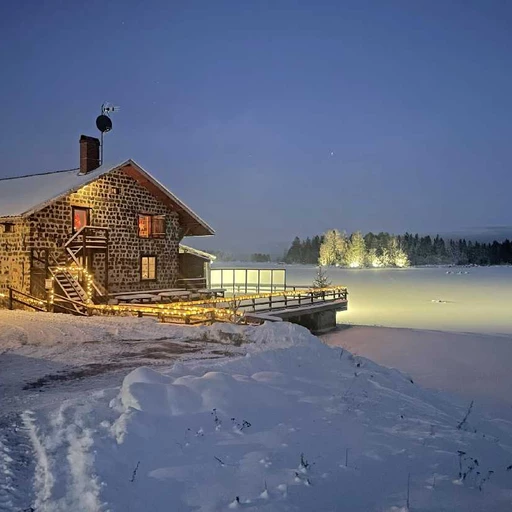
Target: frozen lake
[[474, 300], [477, 300]]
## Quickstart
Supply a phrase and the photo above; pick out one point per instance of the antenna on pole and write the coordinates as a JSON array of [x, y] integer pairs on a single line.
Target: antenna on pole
[[104, 123]]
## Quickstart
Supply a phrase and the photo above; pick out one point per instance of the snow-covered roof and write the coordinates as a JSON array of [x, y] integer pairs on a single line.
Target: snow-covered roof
[[25, 195], [196, 252]]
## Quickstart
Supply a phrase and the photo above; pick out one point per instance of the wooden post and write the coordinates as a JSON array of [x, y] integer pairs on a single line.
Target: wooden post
[[84, 249], [106, 263], [9, 304], [49, 304]]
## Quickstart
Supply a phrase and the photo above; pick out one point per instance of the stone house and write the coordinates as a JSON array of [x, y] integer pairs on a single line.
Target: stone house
[[117, 225]]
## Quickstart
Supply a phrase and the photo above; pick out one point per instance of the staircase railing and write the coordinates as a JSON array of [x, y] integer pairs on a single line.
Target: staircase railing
[[74, 283], [88, 237], [79, 307], [97, 237], [15, 296]]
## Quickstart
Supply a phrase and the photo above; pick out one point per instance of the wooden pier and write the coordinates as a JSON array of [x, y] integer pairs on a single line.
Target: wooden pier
[[314, 308]]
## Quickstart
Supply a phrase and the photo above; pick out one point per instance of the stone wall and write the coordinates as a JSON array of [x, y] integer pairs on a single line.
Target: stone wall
[[14, 256], [116, 200]]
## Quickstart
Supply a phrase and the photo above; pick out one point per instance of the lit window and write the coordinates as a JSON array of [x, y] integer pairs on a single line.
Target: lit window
[[148, 268], [151, 226], [80, 218], [144, 226]]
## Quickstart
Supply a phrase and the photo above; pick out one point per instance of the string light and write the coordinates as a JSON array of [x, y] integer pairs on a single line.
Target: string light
[[200, 310], [75, 271]]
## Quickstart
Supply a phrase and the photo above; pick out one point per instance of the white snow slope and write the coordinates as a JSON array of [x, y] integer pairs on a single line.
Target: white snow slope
[[293, 425]]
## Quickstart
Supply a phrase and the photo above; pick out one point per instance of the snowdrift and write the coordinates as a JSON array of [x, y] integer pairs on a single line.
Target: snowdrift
[[293, 425]]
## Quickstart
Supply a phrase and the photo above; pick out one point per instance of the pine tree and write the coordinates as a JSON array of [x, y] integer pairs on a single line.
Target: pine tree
[[307, 252], [315, 249], [332, 249], [321, 279], [372, 260], [294, 254], [356, 251], [401, 259]]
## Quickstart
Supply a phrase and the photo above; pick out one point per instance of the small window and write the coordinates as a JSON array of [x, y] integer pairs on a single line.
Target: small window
[[80, 218], [148, 268], [144, 226], [8, 227], [151, 226], [158, 227]]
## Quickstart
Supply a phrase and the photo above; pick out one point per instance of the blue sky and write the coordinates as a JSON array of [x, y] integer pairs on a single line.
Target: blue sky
[[275, 119]]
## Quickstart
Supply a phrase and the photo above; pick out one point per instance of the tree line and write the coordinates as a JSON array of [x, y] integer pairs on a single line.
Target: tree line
[[385, 250]]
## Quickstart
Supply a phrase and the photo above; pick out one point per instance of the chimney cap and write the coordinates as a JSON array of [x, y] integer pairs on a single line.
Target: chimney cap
[[88, 138]]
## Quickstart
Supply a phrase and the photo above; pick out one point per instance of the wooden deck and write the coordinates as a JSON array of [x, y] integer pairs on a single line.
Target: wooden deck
[[314, 308]]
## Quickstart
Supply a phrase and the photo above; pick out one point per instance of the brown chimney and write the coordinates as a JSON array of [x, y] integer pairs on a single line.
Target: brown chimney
[[89, 154]]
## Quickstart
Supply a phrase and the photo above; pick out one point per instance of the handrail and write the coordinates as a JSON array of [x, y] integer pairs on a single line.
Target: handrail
[[74, 236], [61, 298], [67, 299], [73, 257], [12, 299], [81, 230]]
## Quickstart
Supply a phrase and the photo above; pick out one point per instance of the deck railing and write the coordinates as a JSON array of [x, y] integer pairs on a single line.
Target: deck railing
[[227, 308]]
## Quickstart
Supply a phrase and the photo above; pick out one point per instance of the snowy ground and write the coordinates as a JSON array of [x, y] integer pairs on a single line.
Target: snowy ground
[[292, 425], [78, 433], [49, 357]]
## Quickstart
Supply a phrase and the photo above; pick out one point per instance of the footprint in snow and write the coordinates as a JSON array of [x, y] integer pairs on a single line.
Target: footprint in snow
[[284, 489], [266, 462]]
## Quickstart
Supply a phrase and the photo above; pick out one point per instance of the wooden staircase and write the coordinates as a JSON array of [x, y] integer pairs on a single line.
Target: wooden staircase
[[86, 241], [71, 289]]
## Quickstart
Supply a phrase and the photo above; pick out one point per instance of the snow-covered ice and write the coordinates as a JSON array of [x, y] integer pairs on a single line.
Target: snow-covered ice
[[475, 366], [471, 299]]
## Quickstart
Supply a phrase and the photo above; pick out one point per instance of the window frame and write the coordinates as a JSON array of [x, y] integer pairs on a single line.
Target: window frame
[[154, 256], [161, 218], [151, 231], [149, 225], [8, 227], [87, 216]]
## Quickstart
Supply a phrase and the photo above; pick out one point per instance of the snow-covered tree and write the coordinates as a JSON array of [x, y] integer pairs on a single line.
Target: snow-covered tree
[[321, 279], [356, 251], [333, 248], [401, 259], [372, 259], [385, 257], [397, 256]]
